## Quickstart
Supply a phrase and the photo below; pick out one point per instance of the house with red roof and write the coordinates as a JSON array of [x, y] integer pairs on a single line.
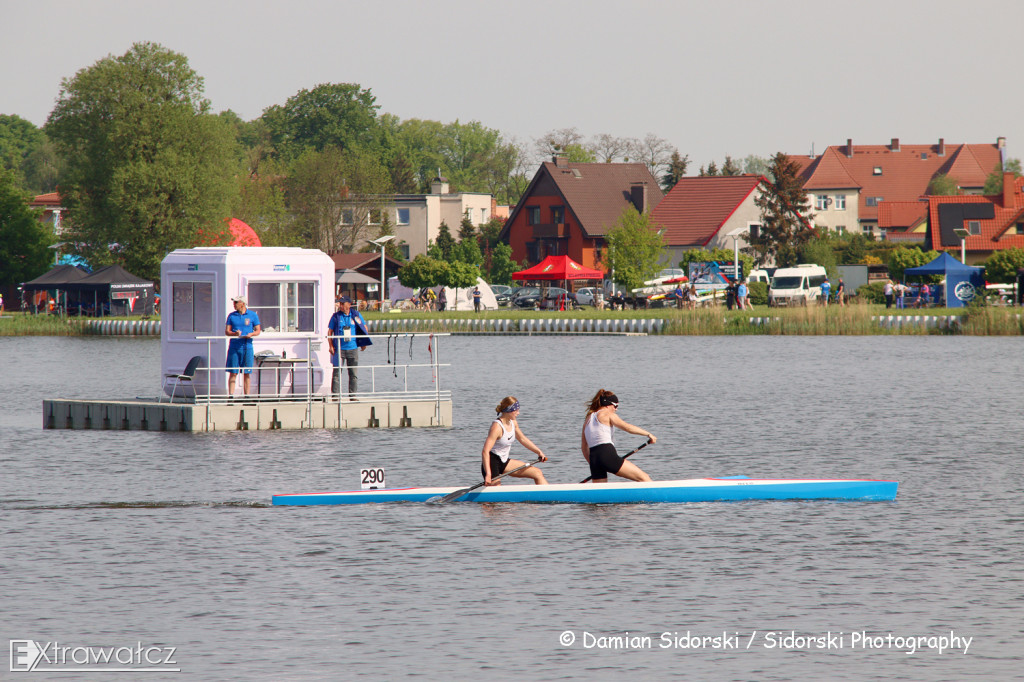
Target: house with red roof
[[708, 213], [848, 183], [992, 223], [569, 208], [51, 206]]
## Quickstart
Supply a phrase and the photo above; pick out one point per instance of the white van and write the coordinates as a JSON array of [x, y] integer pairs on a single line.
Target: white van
[[758, 276], [796, 286]]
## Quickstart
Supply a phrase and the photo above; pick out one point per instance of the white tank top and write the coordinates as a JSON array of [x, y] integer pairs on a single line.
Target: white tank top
[[503, 445], [595, 432]]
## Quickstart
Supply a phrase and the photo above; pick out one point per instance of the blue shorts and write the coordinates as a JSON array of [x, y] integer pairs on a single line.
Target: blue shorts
[[240, 358]]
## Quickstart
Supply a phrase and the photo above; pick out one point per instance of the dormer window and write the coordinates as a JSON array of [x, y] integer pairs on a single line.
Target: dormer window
[[974, 226], [877, 170]]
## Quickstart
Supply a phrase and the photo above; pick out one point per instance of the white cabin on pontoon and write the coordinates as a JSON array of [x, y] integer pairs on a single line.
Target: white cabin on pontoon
[[290, 289]]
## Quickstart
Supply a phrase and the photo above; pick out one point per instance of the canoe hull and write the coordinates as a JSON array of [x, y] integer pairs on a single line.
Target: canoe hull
[[691, 490]]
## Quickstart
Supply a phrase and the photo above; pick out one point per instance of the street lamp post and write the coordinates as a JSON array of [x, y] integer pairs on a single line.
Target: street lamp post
[[962, 233], [381, 242]]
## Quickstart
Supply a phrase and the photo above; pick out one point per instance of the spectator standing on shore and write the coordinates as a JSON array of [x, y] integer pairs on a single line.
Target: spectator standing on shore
[[901, 293], [679, 295], [476, 299], [693, 297], [242, 325], [826, 291], [442, 301], [841, 293], [887, 292], [741, 296]]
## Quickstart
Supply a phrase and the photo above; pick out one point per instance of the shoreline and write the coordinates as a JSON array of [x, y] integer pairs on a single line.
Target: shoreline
[[856, 320]]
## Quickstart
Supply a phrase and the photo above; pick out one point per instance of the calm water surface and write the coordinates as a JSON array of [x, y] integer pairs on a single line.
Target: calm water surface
[[113, 538]]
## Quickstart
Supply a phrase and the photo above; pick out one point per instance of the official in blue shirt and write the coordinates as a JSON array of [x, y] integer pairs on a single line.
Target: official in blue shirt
[[346, 336], [241, 326]]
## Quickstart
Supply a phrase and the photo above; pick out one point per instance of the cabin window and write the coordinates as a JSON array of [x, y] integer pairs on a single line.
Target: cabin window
[[402, 216], [558, 214], [192, 307], [533, 215], [284, 306]]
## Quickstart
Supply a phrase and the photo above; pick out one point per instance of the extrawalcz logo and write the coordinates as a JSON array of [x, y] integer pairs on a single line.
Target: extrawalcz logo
[[30, 656]]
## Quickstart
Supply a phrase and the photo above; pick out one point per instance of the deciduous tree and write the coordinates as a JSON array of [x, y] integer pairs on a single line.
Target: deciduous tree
[[1002, 265], [24, 243], [340, 115], [148, 167], [634, 249], [903, 257]]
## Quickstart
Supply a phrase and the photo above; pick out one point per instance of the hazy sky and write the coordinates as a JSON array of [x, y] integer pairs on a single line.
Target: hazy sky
[[713, 78]]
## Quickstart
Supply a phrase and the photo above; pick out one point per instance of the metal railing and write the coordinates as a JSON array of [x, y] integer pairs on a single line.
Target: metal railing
[[317, 375]]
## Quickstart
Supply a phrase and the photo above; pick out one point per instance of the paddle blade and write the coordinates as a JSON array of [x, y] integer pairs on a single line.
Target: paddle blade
[[449, 497]]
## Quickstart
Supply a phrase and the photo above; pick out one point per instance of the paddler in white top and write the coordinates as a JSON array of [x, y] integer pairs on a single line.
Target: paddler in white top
[[504, 429], [596, 442]]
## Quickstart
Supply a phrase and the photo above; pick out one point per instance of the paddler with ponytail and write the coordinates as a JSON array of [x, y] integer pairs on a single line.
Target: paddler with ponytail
[[596, 443], [505, 429]]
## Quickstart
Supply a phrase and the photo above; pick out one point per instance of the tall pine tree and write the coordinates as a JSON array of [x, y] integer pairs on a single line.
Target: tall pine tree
[[785, 215]]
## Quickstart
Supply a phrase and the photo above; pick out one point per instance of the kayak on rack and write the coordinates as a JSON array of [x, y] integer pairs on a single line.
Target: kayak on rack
[[728, 489]]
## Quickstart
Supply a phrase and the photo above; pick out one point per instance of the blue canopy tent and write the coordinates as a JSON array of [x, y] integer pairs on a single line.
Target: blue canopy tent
[[963, 282]]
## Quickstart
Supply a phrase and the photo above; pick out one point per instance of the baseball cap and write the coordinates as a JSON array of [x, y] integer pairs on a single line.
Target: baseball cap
[[344, 299], [238, 299]]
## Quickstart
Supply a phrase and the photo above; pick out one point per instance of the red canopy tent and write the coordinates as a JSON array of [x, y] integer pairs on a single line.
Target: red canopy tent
[[557, 268]]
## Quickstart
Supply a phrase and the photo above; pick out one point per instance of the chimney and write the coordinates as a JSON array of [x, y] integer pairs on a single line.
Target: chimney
[[638, 195], [849, 148], [560, 161], [942, 147], [1008, 178], [1000, 142], [895, 145], [439, 185]]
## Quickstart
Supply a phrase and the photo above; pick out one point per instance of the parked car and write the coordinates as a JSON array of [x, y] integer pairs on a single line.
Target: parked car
[[587, 296], [525, 297], [500, 289], [535, 298], [507, 297], [552, 298]]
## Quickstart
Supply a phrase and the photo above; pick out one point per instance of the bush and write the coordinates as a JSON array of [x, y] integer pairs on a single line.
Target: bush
[[872, 293], [758, 293]]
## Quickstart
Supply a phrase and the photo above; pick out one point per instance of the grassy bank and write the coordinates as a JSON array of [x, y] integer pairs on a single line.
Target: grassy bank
[[814, 321], [26, 324]]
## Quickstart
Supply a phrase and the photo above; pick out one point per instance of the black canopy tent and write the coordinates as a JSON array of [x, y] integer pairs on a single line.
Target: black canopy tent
[[58, 279], [115, 291]]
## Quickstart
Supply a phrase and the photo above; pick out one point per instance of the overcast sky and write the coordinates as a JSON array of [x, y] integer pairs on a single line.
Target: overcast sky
[[735, 77]]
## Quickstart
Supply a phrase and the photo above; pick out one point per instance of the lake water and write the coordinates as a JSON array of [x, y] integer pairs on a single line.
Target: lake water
[[118, 538]]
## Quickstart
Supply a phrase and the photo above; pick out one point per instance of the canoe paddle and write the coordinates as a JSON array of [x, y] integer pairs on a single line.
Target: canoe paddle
[[587, 479], [459, 493]]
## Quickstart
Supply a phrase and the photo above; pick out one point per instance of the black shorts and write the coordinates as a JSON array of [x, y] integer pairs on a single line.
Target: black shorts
[[497, 466], [604, 460]]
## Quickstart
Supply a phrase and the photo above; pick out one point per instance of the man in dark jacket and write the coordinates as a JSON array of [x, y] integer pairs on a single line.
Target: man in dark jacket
[[347, 336]]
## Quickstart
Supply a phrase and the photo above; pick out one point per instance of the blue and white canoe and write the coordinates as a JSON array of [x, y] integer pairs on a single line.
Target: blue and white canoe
[[731, 489]]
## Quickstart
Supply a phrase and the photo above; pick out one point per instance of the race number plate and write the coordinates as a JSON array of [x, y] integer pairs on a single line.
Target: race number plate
[[371, 479]]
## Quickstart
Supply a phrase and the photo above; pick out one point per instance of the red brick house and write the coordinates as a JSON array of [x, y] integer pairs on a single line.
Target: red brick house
[[993, 222], [569, 208]]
